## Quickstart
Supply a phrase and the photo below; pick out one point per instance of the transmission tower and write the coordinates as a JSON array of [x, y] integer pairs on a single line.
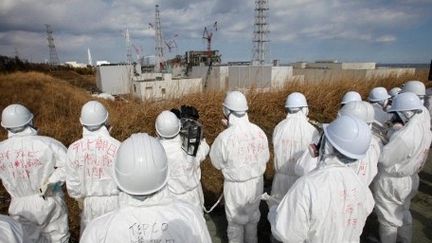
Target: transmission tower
[[261, 31], [128, 47], [159, 43], [54, 60]]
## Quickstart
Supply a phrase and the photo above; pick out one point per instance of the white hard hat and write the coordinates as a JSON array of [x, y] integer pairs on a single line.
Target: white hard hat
[[236, 101], [167, 124], [350, 96], [395, 91], [93, 113], [15, 116], [378, 94], [406, 102], [415, 87], [349, 135], [360, 109], [141, 166], [296, 100]]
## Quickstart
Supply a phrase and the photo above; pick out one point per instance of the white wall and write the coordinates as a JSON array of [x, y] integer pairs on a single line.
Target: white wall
[[154, 90], [114, 79]]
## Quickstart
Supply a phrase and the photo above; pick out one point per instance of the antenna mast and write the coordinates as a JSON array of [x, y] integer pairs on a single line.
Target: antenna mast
[[261, 30], [128, 47], [159, 43], [54, 60]]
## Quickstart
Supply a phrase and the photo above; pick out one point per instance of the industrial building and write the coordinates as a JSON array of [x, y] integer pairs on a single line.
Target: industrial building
[[128, 79], [223, 77], [335, 70]]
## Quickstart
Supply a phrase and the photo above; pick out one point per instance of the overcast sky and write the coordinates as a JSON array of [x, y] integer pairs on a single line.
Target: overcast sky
[[389, 31]]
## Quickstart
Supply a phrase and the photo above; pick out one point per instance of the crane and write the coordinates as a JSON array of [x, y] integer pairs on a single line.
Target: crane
[[208, 35], [171, 43]]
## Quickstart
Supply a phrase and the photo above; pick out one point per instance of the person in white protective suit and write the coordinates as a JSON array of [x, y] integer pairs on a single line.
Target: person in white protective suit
[[148, 212], [379, 97], [291, 138], [183, 179], [350, 96], [401, 160], [419, 89], [89, 167], [11, 231], [32, 172], [329, 204], [366, 168], [241, 152]]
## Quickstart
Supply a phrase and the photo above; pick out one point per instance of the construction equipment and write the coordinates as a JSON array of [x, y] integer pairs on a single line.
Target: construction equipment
[[208, 35]]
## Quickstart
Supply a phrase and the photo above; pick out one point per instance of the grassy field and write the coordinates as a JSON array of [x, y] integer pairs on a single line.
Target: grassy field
[[56, 101]]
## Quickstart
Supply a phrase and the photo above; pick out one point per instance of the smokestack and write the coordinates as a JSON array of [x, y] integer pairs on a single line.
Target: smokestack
[[430, 72]]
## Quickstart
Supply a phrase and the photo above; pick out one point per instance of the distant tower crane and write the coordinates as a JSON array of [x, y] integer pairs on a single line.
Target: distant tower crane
[[54, 60], [208, 35]]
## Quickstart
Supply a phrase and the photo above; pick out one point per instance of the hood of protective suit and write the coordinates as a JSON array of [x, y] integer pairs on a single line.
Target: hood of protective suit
[[102, 131], [28, 131]]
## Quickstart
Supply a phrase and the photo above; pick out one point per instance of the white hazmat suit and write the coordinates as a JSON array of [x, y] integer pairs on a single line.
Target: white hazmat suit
[[29, 162], [291, 138], [397, 181], [381, 116], [11, 231], [327, 205], [367, 168], [184, 179], [89, 173], [156, 218], [241, 153]]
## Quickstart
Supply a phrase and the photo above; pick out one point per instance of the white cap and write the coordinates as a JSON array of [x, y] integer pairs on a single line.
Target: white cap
[[296, 100], [167, 124], [349, 135], [141, 166], [406, 102], [236, 101], [15, 116], [350, 96], [93, 113], [378, 94]]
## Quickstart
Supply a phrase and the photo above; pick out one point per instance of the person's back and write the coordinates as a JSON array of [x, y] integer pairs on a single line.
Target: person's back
[[32, 172], [89, 168], [335, 202], [148, 212], [245, 150], [291, 137], [241, 153], [157, 219], [401, 159], [331, 203]]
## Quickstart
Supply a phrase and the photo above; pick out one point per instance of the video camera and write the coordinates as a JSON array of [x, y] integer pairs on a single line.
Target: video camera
[[191, 131]]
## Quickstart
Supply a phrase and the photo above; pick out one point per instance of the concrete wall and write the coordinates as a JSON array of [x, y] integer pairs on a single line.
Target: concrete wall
[[280, 76], [217, 80], [343, 66], [175, 88], [317, 75], [243, 77], [114, 79]]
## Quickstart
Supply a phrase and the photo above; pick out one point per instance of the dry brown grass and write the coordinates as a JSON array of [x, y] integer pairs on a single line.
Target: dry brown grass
[[56, 104]]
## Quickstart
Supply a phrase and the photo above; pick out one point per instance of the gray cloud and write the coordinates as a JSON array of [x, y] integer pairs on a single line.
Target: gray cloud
[[81, 23]]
